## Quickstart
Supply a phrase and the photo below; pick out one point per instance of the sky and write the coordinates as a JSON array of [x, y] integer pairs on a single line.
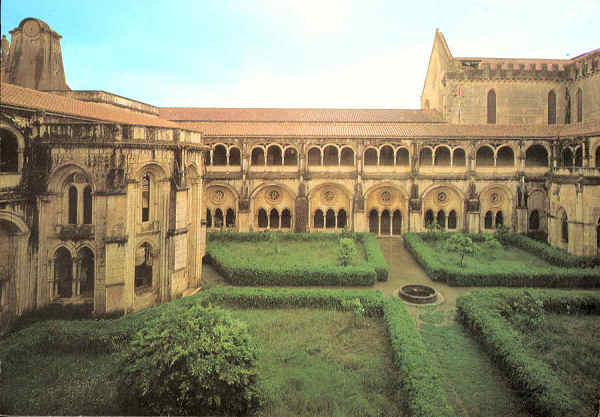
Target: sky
[[292, 53]]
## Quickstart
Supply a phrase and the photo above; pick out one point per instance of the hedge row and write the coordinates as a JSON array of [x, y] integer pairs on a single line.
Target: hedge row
[[499, 275], [482, 312], [423, 385], [552, 255], [241, 272]]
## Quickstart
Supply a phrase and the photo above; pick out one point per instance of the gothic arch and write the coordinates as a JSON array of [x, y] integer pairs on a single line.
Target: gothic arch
[[14, 219], [154, 168], [264, 185], [58, 176], [20, 142]]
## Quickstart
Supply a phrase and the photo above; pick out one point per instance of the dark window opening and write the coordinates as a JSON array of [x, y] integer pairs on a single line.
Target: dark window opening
[[460, 159], [290, 157], [234, 156], [386, 156], [441, 219], [551, 108], [505, 157], [402, 157], [425, 157], [143, 268], [342, 219], [429, 218], [87, 205], [63, 273], [218, 218], [314, 157], [565, 228], [347, 157], [330, 156], [72, 205], [9, 152], [208, 218], [499, 219], [579, 99], [258, 156], [484, 157], [146, 198], [330, 219], [536, 156], [286, 219], [385, 222], [274, 219], [579, 157], [319, 220], [452, 221], [567, 107], [397, 223], [86, 278], [567, 157], [220, 155], [491, 107], [274, 155], [230, 218], [373, 221], [488, 220], [534, 220], [370, 157], [442, 157], [263, 220]]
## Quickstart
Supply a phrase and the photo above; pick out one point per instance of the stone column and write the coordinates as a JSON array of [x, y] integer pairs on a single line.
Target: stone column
[[522, 219]]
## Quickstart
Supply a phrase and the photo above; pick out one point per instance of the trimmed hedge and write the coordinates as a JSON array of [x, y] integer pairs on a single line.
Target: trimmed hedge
[[482, 313], [240, 272], [491, 275], [421, 379]]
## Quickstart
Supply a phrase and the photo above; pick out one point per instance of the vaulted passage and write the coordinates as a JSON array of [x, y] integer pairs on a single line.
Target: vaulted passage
[[63, 273]]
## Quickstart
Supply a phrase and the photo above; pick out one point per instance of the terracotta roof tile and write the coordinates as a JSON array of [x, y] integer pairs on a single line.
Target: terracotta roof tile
[[373, 130], [11, 94], [191, 114]]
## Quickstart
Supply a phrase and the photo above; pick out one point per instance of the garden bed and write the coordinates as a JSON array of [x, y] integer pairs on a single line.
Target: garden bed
[[510, 265], [411, 383], [545, 341], [294, 259]]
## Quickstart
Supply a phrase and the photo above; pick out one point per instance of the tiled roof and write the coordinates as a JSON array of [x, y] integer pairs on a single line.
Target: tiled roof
[[14, 95], [385, 130], [190, 114]]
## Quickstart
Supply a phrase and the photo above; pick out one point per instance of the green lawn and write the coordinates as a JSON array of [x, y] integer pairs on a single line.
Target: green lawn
[[312, 363], [508, 257], [475, 387], [291, 253], [570, 344]]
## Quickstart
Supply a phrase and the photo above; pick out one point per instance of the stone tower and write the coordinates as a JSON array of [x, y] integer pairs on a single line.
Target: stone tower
[[35, 59]]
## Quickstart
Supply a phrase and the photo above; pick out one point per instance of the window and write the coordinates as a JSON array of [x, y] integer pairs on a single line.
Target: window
[[567, 107], [459, 159], [314, 157], [263, 221], [330, 219], [274, 155], [220, 155], [579, 98], [208, 218], [234, 156], [441, 219], [536, 156], [385, 223], [9, 155], [72, 205], [258, 156], [491, 107], [218, 218], [564, 228], [534, 220], [374, 221], [397, 223], [319, 220], [286, 219], [551, 108], [402, 158], [87, 205], [505, 157], [230, 218], [330, 156], [386, 155], [347, 157], [370, 157], [274, 219], [341, 219], [484, 157], [452, 220], [499, 219], [425, 157], [442, 157], [428, 218], [567, 157], [146, 198], [487, 224], [290, 157]]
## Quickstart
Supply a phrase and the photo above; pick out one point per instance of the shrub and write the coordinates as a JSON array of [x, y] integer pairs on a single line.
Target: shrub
[[346, 251], [189, 362], [375, 257], [461, 244]]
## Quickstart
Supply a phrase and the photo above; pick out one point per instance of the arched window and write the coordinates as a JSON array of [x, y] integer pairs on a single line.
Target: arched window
[[386, 222], [402, 157], [484, 157], [86, 277], [551, 108], [258, 156], [286, 219], [567, 107], [459, 159], [534, 220], [208, 218], [290, 157], [425, 157], [397, 223], [330, 219], [218, 218], [564, 227], [263, 221], [499, 219], [319, 220], [146, 197], [274, 155], [452, 220], [220, 155], [579, 157], [347, 158], [72, 205], [386, 155], [598, 157], [143, 268], [234, 156], [488, 220], [274, 219], [63, 273], [9, 152], [230, 218], [442, 157], [567, 157], [536, 156], [374, 221], [429, 218], [87, 205], [341, 219], [314, 157], [370, 157], [330, 156], [491, 107], [441, 219], [505, 157], [579, 98]]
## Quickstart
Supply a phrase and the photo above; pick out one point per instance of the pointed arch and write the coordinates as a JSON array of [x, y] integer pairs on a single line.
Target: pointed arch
[[374, 221], [286, 219], [534, 220], [342, 219], [318, 219], [397, 222], [488, 220], [274, 219], [230, 218], [452, 220], [499, 219], [263, 220], [567, 157], [330, 219]]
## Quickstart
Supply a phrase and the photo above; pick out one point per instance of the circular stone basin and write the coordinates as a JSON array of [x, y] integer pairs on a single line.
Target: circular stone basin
[[419, 294]]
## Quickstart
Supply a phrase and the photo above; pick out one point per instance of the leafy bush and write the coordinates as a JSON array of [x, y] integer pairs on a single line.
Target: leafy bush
[[189, 362], [418, 374], [485, 314], [461, 244], [498, 275], [346, 251], [243, 272]]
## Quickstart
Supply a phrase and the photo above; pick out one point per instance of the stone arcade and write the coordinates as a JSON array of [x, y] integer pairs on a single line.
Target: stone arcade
[[107, 199]]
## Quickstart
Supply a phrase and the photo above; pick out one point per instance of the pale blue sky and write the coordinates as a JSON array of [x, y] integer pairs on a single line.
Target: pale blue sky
[[308, 53]]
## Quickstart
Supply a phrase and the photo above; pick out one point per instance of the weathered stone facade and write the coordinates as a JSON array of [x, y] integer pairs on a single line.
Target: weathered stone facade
[[107, 198]]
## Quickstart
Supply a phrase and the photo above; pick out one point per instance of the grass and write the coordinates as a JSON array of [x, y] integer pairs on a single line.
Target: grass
[[475, 387], [507, 257], [313, 362], [291, 253], [570, 344]]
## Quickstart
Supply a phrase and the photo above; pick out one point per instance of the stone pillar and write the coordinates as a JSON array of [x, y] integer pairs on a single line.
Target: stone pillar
[[52, 284], [522, 219], [473, 222]]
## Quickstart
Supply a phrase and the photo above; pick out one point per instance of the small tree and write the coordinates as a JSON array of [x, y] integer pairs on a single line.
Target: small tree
[[346, 251], [461, 244], [491, 245]]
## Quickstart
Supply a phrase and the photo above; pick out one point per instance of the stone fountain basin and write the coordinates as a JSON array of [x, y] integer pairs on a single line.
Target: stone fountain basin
[[418, 294]]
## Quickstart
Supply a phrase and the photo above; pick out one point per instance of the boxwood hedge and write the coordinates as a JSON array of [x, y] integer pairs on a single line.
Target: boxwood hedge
[[241, 272], [501, 276], [483, 314]]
